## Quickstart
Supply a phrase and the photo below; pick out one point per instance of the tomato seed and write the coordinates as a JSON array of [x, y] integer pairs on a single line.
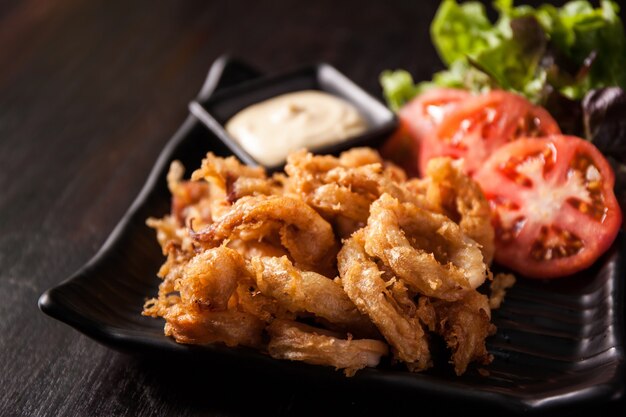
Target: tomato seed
[[555, 243]]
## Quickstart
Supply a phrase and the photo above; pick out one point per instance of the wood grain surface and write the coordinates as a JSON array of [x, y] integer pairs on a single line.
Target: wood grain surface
[[90, 91]]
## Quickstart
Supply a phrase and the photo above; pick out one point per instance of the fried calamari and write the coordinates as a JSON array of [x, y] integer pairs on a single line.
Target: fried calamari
[[342, 189], [427, 250], [465, 324], [460, 198], [362, 281], [308, 238], [338, 262], [299, 342], [309, 292]]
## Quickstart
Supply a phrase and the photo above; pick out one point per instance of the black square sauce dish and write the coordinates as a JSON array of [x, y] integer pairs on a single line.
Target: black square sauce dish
[[217, 110]]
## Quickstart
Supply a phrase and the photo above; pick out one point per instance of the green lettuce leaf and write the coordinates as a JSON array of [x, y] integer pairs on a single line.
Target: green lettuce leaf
[[582, 33], [398, 88], [536, 52], [461, 30]]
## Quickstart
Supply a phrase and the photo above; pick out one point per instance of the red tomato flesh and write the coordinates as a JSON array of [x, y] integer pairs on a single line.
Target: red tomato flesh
[[455, 123], [419, 120], [479, 125], [554, 208]]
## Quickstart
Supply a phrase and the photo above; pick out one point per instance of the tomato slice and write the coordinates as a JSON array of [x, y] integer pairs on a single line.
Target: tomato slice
[[554, 208], [478, 125], [419, 119]]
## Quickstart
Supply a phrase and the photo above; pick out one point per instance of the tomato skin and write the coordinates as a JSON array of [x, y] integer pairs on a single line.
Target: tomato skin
[[478, 125], [550, 200], [403, 149], [484, 131]]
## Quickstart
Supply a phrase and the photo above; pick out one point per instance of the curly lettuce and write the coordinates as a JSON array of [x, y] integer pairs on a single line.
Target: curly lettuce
[[536, 52]]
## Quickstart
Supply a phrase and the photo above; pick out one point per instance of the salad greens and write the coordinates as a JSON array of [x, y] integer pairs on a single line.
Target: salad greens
[[571, 60], [537, 52]]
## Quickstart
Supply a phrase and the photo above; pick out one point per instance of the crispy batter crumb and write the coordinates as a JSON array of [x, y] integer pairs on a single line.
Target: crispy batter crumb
[[501, 282]]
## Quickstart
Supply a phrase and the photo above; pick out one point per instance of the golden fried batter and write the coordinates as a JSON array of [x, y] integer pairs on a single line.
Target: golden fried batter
[[460, 198], [250, 248], [334, 199], [201, 327], [249, 299], [305, 291], [308, 238], [357, 157], [251, 258], [221, 174], [361, 280], [210, 278], [500, 284], [427, 250], [187, 196], [299, 342], [464, 325], [343, 188], [245, 186]]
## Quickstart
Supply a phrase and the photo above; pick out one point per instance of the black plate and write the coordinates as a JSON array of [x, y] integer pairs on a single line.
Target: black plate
[[559, 344], [216, 110]]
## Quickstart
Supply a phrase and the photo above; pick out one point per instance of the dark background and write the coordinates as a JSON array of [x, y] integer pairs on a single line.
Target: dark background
[[90, 91]]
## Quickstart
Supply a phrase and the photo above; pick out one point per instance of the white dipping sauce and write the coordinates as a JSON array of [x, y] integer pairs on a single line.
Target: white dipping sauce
[[310, 119]]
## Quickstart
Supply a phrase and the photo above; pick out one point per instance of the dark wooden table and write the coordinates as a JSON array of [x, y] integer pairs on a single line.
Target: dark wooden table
[[90, 91]]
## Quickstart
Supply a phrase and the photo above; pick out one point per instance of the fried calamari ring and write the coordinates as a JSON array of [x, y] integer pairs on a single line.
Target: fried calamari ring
[[343, 188], [245, 186], [308, 238], [334, 199], [306, 179], [426, 250], [205, 312], [357, 157], [211, 277], [361, 280], [299, 342], [221, 174], [249, 299], [373, 181], [456, 195], [201, 327], [304, 291], [359, 171], [250, 248]]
